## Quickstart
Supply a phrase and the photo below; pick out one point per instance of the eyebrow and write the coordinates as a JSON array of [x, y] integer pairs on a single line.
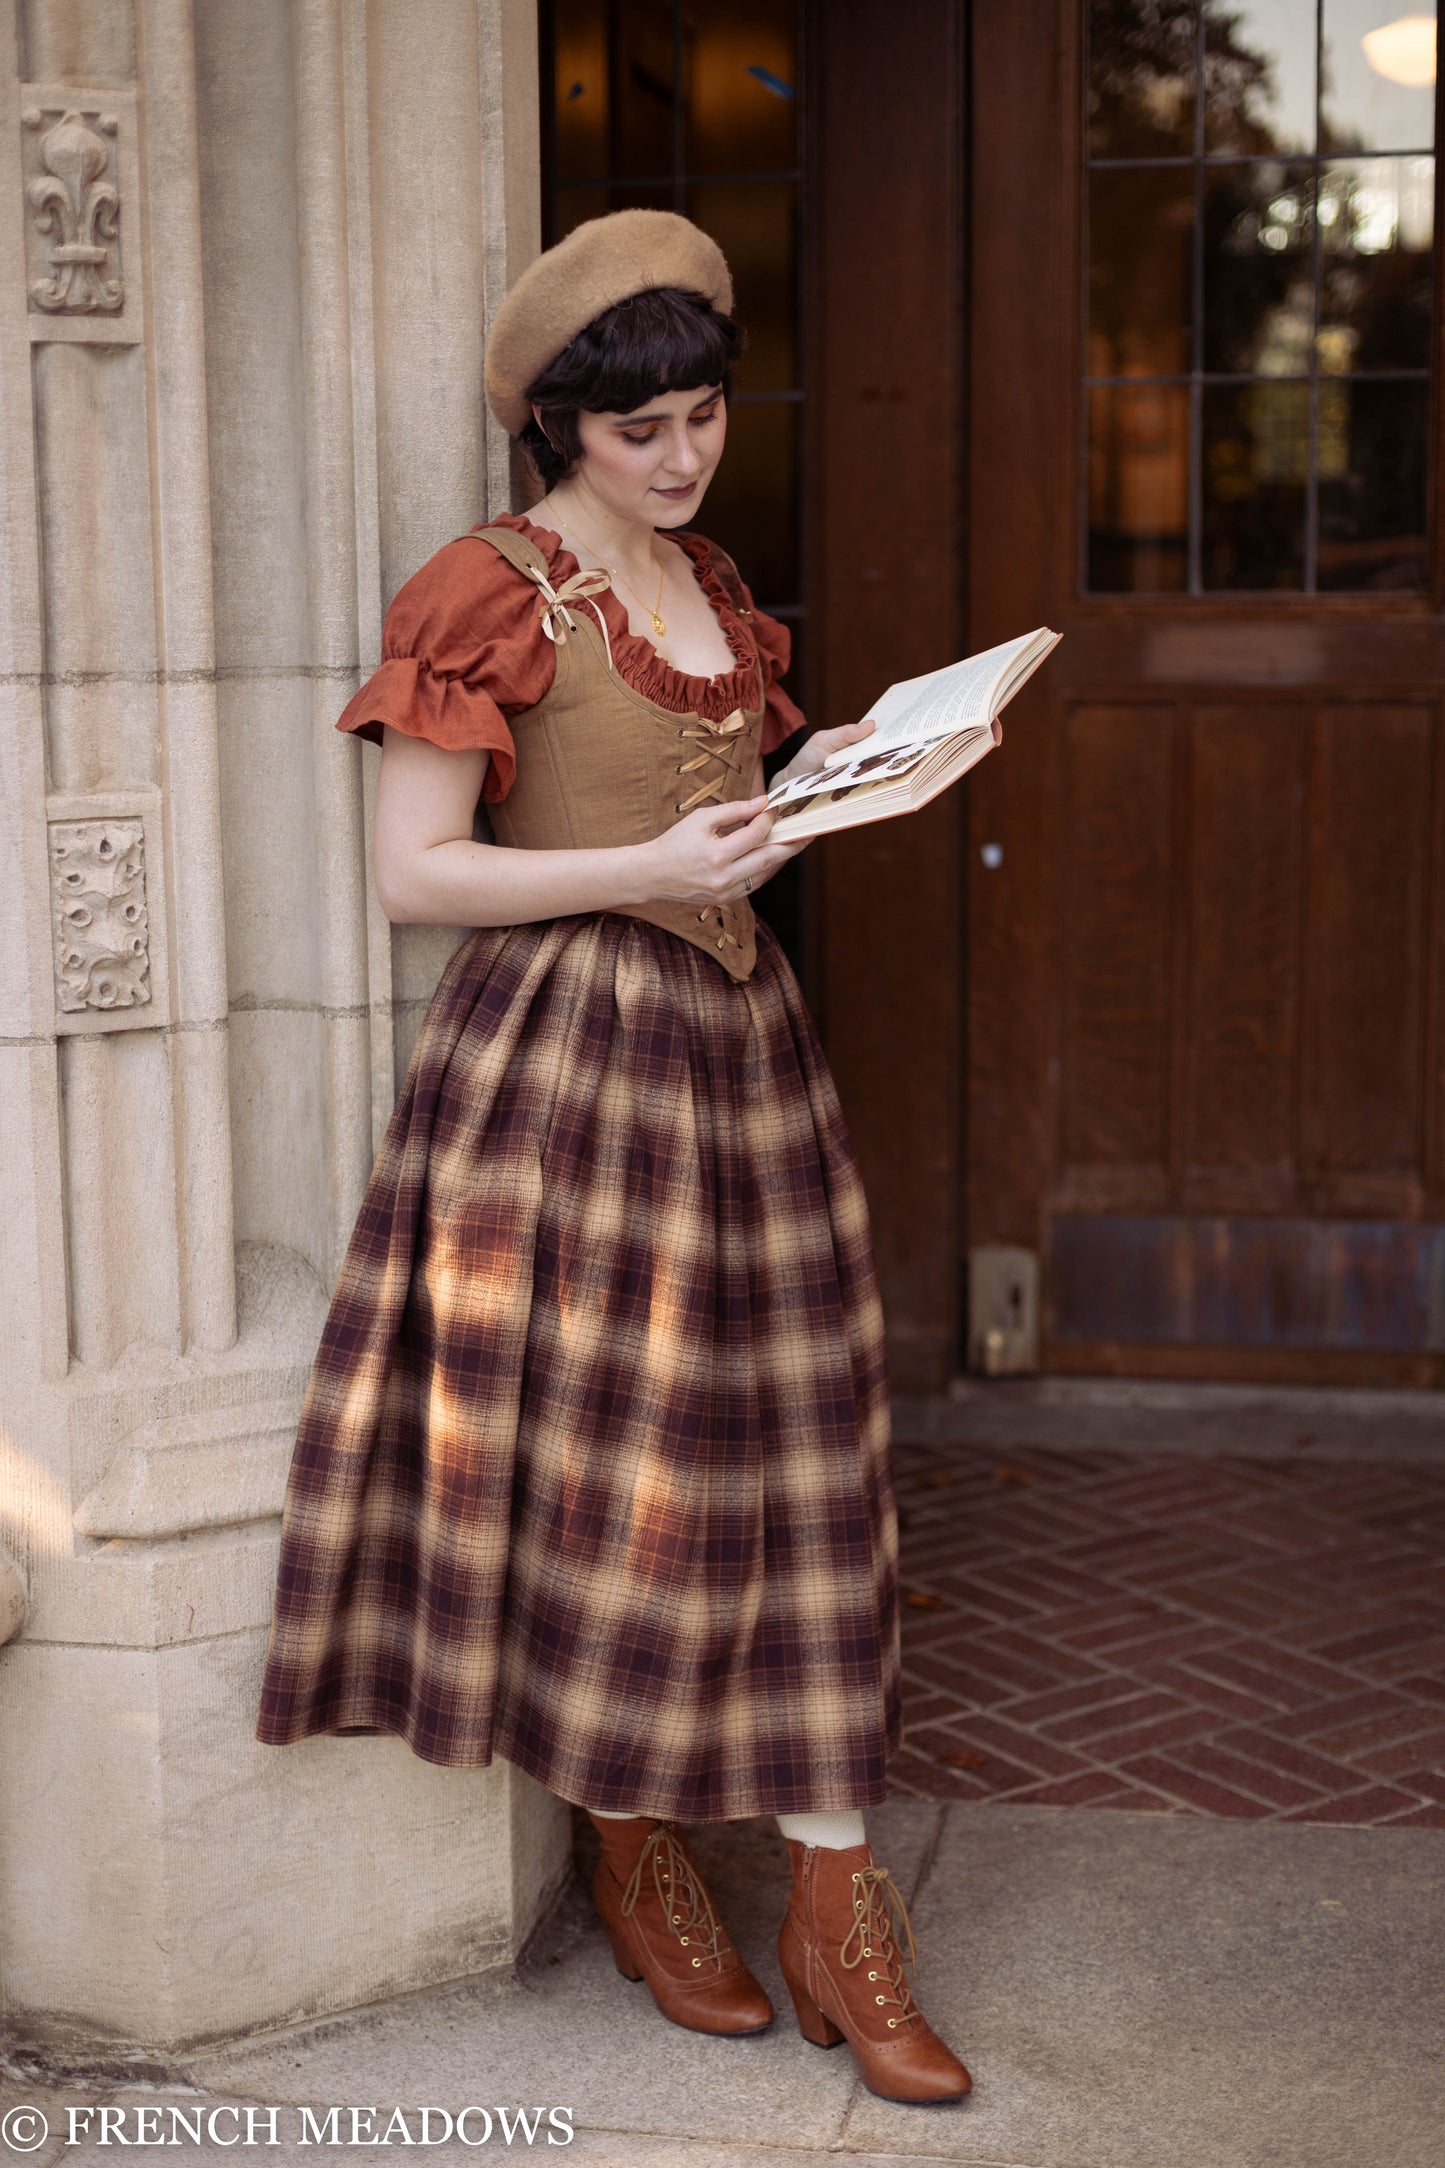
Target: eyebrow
[[639, 421]]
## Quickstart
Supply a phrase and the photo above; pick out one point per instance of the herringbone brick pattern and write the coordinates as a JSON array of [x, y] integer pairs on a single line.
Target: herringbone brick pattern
[[1258, 1638]]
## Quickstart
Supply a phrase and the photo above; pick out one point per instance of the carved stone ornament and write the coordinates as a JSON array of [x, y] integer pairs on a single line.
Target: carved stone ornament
[[81, 194], [75, 206], [97, 885]]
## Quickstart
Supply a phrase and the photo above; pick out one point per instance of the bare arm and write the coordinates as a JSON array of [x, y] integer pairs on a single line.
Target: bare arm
[[430, 872]]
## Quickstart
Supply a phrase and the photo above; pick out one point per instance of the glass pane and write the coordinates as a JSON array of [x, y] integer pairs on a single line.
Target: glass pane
[[1141, 79], [1259, 76], [751, 506], [1255, 459], [580, 79], [1376, 231], [575, 204], [1138, 489], [740, 67], [1141, 225], [755, 225], [1372, 485], [1377, 90], [1258, 269], [643, 101]]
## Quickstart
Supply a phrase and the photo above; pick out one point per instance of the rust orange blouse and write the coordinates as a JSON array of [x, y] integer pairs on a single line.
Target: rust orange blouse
[[463, 649]]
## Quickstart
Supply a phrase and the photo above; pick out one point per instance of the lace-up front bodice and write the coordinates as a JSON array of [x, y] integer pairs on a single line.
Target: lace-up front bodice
[[600, 764]]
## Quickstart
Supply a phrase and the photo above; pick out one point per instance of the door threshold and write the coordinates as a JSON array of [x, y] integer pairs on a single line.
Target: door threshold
[[1294, 1422]]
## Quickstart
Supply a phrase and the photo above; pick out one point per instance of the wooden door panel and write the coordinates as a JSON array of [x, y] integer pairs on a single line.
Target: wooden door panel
[[1206, 937], [1245, 792], [1369, 875], [1115, 917]]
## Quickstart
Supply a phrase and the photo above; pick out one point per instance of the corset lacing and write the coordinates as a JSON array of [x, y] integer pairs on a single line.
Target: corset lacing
[[701, 728]]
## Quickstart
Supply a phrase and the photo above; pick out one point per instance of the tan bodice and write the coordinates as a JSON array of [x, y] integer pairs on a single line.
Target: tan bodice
[[598, 764]]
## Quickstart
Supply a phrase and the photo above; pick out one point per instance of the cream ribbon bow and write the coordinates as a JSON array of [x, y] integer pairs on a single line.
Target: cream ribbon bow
[[557, 619]]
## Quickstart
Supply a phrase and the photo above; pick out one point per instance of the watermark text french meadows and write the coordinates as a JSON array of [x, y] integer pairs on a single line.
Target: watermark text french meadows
[[23, 2130]]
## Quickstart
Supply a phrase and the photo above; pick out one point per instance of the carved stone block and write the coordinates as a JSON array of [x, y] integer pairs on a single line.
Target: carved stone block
[[98, 896], [105, 867], [81, 204]]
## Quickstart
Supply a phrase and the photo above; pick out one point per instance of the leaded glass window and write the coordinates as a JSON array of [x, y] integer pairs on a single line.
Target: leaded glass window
[[1258, 250]]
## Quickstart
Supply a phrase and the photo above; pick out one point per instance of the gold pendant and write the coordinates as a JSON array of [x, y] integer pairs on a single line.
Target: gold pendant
[[659, 626]]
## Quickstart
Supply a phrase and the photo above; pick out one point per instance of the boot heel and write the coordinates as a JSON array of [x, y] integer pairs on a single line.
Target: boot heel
[[813, 2023], [627, 1964]]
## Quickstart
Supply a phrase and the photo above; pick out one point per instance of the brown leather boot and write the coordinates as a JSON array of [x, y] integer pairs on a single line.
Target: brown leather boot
[[664, 1929], [845, 1974]]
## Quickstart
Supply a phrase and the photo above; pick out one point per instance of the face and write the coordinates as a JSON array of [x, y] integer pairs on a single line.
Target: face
[[654, 464]]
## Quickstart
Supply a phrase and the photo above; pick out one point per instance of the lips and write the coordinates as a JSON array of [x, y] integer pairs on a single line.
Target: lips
[[685, 491]]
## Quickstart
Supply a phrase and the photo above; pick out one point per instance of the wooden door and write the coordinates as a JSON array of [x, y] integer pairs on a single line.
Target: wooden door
[[1206, 1021]]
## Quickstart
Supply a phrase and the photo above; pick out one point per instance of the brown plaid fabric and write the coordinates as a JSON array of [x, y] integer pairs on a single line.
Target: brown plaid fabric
[[593, 1471]]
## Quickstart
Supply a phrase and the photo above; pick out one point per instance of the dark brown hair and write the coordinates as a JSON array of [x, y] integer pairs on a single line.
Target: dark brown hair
[[662, 339]]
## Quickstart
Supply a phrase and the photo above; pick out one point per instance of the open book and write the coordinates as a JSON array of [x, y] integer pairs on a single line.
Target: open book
[[930, 731]]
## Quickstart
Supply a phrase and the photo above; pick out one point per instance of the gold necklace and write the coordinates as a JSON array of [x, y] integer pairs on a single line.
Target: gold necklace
[[659, 624]]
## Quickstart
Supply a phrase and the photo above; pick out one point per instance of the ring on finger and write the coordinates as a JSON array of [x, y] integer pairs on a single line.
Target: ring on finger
[[747, 884]]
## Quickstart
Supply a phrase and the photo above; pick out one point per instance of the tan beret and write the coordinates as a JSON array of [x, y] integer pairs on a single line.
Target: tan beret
[[599, 264]]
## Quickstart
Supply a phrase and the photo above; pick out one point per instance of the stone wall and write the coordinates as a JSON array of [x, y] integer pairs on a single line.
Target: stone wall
[[246, 258]]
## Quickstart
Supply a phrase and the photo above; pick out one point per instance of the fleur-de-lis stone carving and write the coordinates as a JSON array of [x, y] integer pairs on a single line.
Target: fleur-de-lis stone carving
[[77, 202]]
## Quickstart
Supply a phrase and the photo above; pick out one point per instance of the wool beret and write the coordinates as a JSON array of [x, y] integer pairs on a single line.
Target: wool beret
[[598, 264]]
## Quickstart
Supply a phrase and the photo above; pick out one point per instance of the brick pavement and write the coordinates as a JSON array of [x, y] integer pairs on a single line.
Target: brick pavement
[[1257, 1638]]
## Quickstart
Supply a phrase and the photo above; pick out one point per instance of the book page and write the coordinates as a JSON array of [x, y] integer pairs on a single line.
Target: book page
[[863, 763], [956, 698]]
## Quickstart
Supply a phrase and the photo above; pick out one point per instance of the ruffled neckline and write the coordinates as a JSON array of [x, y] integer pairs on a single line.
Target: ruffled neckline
[[634, 654]]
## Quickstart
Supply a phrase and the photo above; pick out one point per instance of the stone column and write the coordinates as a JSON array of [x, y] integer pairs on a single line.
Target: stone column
[[246, 258]]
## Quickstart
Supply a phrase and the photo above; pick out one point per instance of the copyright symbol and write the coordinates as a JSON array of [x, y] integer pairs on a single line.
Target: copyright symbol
[[23, 2129]]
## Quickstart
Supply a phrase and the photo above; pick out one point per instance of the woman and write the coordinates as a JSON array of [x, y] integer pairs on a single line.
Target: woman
[[593, 1468]]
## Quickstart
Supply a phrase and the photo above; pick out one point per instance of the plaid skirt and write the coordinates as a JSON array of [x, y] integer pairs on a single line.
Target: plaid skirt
[[593, 1470]]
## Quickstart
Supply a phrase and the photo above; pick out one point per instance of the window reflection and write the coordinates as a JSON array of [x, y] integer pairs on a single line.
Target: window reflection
[[1376, 231], [1258, 266], [1361, 107], [1139, 488], [1141, 254], [1141, 79], [1264, 255], [1259, 73]]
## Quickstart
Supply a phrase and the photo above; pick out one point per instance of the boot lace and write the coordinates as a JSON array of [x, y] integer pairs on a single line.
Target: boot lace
[[877, 1906], [681, 1891]]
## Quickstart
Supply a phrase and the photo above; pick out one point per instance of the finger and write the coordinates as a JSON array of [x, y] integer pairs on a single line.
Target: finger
[[749, 837], [760, 865], [736, 809]]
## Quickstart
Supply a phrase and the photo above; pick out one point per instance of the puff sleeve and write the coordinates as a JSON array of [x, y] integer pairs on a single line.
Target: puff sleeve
[[460, 654], [781, 715]]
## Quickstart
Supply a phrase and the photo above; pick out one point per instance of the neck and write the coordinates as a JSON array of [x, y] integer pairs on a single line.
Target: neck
[[618, 540]]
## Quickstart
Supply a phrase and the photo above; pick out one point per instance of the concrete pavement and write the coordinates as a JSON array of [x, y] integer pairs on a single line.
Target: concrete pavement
[[1130, 1991]]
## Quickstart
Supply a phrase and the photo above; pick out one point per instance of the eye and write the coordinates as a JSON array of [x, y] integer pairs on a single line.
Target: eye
[[647, 438]]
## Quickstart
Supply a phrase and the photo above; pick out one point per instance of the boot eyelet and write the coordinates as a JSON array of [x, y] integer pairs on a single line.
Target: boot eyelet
[[684, 1941], [880, 1998], [891, 2023], [697, 1960]]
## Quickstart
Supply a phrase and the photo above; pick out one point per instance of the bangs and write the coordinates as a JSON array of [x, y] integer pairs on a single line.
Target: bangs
[[659, 340]]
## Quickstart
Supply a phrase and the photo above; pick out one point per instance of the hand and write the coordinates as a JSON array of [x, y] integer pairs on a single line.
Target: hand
[[811, 755], [716, 854]]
